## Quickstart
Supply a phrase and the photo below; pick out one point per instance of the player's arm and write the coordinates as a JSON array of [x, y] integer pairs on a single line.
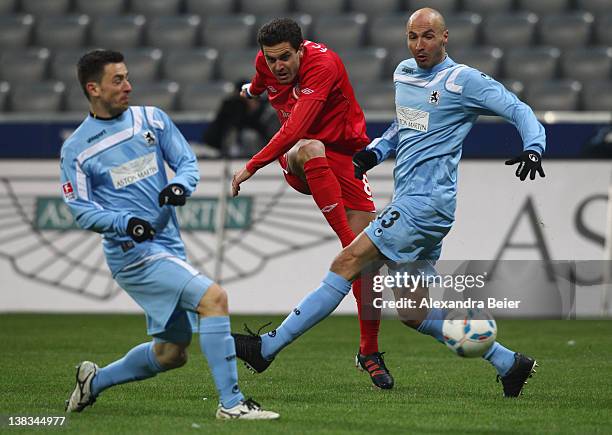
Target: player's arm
[[483, 95], [88, 214], [294, 129], [180, 157], [377, 151], [318, 81]]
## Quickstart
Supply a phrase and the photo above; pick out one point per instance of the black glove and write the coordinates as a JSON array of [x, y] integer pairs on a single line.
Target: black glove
[[363, 161], [172, 194], [140, 230], [529, 162]]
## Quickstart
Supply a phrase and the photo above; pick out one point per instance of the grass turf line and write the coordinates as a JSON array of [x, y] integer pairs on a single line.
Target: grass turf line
[[313, 383]]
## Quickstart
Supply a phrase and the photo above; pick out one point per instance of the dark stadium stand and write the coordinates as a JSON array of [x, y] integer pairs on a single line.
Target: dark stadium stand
[[551, 52]]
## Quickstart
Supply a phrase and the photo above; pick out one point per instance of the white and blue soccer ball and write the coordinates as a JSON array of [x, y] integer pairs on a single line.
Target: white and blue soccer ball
[[469, 333]]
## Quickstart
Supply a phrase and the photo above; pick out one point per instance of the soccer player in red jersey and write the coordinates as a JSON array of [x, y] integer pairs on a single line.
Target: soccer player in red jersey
[[322, 126]]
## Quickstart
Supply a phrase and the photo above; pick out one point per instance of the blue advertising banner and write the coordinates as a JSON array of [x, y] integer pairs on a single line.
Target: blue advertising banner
[[43, 140]]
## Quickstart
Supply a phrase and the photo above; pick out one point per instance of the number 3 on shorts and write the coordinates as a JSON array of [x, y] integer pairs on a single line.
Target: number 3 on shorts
[[393, 216]]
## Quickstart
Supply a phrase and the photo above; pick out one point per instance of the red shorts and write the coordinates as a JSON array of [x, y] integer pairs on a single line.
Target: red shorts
[[356, 194]]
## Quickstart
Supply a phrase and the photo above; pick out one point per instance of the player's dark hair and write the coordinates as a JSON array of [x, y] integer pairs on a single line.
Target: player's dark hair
[[280, 30], [90, 66]]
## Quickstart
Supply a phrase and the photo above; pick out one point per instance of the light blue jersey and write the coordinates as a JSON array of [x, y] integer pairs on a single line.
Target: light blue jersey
[[435, 110], [113, 170]]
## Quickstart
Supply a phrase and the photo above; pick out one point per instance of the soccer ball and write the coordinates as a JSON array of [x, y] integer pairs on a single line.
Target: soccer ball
[[469, 333]]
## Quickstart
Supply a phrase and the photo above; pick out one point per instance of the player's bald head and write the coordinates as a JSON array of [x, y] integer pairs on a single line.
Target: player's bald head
[[427, 37], [427, 17]]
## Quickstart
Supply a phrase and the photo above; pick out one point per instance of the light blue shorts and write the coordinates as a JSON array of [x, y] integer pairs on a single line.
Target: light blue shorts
[[409, 232], [169, 290]]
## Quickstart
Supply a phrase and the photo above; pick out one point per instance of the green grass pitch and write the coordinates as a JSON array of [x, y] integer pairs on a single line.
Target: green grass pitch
[[313, 383]]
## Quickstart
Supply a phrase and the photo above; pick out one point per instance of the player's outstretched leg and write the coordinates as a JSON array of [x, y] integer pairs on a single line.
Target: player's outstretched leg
[[307, 159], [138, 364], [513, 368], [315, 306], [259, 351], [218, 347], [368, 358]]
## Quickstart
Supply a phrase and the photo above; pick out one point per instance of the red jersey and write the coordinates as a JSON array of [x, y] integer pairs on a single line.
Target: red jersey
[[320, 105]]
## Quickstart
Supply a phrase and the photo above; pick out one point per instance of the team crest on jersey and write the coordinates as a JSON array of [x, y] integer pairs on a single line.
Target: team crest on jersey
[[149, 137], [434, 97]]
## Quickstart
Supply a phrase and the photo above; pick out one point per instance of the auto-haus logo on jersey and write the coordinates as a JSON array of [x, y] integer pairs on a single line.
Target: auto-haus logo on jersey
[[134, 170], [412, 118]]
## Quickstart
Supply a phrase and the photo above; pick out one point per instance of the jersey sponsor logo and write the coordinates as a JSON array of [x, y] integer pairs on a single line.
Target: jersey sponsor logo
[[149, 137], [134, 170], [413, 118], [434, 97], [68, 191], [96, 136]]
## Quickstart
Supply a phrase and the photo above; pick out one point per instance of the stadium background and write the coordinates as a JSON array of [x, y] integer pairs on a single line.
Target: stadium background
[[183, 56]]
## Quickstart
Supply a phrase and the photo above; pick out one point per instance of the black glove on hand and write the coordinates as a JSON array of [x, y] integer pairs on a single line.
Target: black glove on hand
[[140, 230], [363, 161], [529, 162], [172, 194]]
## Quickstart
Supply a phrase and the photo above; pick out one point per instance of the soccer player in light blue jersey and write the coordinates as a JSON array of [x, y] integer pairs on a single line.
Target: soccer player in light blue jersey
[[114, 182], [437, 102]]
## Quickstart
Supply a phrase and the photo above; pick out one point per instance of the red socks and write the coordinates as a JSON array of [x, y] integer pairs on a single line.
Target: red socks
[[369, 316], [327, 193]]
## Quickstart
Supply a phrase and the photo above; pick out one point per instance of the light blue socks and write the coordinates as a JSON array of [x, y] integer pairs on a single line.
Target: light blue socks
[[218, 347], [311, 310], [499, 357], [432, 325], [139, 363]]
